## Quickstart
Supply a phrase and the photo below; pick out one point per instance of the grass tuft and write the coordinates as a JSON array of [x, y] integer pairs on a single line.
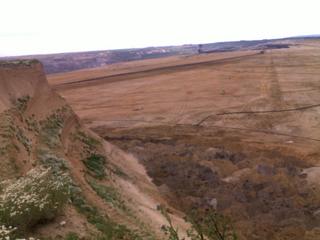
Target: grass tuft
[[95, 163], [108, 193], [109, 230], [21, 104]]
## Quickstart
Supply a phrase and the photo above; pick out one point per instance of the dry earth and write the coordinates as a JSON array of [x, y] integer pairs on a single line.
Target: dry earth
[[237, 130]]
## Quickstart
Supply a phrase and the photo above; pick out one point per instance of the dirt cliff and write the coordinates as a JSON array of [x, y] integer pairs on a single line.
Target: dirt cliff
[[111, 196]]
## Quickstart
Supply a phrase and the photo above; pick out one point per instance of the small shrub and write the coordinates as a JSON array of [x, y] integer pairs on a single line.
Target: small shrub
[[21, 104], [32, 124], [7, 232], [7, 133], [23, 139], [36, 197], [169, 230], [90, 142], [52, 126], [95, 163], [7, 126], [108, 193], [50, 160], [204, 226], [72, 236], [210, 225], [116, 170]]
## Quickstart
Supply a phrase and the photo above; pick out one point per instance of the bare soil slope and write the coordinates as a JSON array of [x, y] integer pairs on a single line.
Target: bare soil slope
[[111, 195], [240, 130]]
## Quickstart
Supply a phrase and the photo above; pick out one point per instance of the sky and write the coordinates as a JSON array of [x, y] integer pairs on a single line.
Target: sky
[[54, 26]]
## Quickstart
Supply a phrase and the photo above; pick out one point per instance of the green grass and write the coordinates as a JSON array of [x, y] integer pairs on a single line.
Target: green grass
[[109, 230], [209, 225], [72, 236], [23, 139], [51, 127], [95, 163], [49, 159], [108, 193], [116, 170], [10, 137], [9, 131], [90, 142], [21, 104], [32, 124]]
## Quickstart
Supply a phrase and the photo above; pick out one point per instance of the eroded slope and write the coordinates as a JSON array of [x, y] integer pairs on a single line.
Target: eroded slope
[[110, 195]]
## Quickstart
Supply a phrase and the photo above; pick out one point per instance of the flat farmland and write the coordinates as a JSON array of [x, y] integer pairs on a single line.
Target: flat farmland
[[240, 129]]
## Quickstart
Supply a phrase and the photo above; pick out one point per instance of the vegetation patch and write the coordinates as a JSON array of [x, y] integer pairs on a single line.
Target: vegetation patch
[[23, 139], [32, 124], [52, 126], [72, 236], [91, 143], [21, 103], [109, 230], [49, 159], [9, 147], [204, 226], [93, 159], [7, 129], [169, 230], [108, 193], [210, 225], [95, 163], [24, 62], [37, 197], [7, 232]]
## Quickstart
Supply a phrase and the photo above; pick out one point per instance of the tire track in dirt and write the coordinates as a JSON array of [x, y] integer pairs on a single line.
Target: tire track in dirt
[[266, 132], [269, 111], [270, 90], [199, 123], [179, 112], [275, 89], [181, 109], [152, 72], [226, 127], [270, 87], [215, 126]]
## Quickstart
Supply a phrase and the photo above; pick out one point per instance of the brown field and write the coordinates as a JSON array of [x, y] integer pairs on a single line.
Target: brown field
[[239, 127]]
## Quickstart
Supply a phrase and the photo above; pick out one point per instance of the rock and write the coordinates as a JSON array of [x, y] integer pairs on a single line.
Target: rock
[[312, 234], [237, 175], [303, 175], [164, 189], [313, 175], [138, 148], [138, 109], [210, 153], [265, 170], [213, 203], [212, 150], [316, 214], [62, 223]]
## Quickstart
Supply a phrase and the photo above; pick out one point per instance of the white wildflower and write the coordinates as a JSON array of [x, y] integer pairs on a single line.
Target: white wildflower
[[39, 194]]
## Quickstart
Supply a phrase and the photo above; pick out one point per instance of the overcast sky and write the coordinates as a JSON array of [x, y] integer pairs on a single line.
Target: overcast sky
[[50, 26]]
